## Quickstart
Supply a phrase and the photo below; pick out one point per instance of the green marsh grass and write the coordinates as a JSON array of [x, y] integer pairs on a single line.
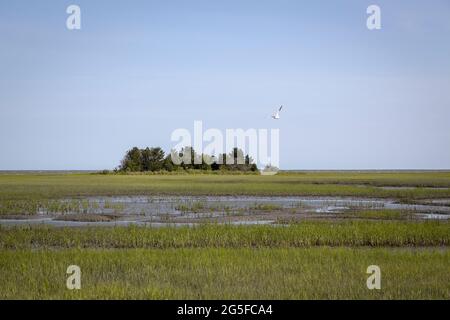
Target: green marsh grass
[[379, 214], [305, 234], [309, 259], [224, 273], [56, 186], [265, 207]]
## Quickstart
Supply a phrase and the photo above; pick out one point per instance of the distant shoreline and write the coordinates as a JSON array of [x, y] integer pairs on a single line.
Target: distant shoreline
[[281, 171]]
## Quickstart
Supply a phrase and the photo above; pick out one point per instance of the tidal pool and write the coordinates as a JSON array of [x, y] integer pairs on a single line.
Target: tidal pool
[[190, 210]]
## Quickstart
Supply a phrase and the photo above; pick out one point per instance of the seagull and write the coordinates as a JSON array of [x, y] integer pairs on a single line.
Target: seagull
[[276, 115]]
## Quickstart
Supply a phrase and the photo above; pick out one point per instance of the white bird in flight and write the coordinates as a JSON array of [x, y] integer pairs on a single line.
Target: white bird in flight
[[276, 115]]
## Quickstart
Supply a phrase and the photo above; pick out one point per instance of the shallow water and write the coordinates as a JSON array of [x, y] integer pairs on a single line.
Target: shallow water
[[187, 210], [174, 204], [434, 216]]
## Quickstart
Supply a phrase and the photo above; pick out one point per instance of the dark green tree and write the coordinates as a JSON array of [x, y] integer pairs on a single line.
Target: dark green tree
[[168, 164], [152, 159], [132, 160]]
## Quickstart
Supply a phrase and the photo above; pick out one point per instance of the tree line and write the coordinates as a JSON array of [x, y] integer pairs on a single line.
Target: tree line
[[155, 159]]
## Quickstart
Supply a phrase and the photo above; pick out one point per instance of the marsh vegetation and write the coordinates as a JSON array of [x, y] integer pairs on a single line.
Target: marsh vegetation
[[321, 232]]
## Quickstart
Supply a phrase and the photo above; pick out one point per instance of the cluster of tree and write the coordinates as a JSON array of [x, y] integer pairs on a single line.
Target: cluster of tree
[[154, 159]]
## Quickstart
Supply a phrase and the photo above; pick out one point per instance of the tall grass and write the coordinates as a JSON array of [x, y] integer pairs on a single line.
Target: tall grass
[[306, 234], [223, 273]]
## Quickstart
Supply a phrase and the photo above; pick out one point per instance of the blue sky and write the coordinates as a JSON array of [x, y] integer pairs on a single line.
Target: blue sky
[[137, 70]]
